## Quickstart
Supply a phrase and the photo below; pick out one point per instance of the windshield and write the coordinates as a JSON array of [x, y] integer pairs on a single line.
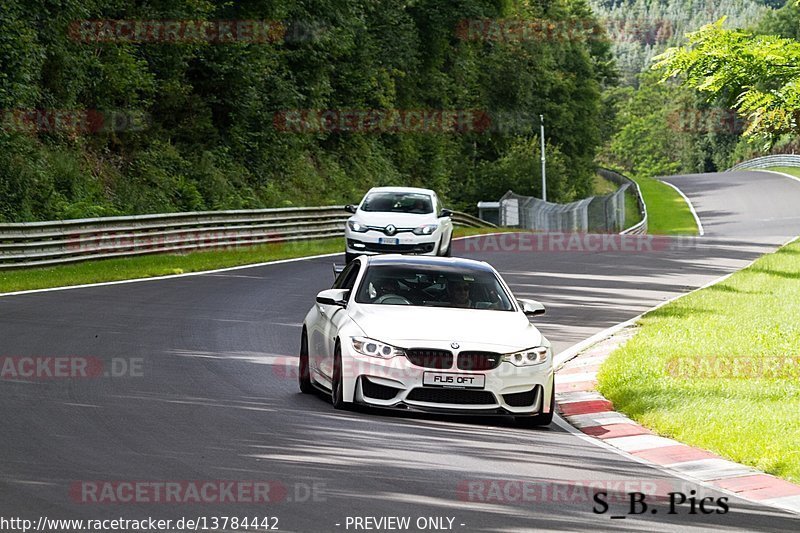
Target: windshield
[[398, 202], [429, 286]]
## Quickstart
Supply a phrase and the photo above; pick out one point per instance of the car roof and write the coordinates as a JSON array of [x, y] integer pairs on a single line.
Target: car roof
[[425, 260], [401, 189]]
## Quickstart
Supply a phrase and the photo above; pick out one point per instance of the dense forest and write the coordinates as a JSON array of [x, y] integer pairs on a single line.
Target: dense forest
[[663, 127], [641, 29], [122, 106]]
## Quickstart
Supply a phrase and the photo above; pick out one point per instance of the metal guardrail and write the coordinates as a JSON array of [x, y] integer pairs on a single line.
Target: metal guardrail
[[779, 160], [641, 227], [466, 220], [29, 244], [603, 213]]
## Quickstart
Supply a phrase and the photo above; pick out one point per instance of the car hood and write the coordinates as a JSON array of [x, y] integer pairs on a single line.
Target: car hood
[[408, 326], [400, 220]]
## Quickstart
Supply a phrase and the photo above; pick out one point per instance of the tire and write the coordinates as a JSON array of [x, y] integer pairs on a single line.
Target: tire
[[337, 383], [448, 251], [349, 258], [542, 419], [304, 374]]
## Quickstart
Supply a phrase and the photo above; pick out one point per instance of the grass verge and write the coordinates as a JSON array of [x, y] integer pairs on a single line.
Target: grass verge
[[602, 186], [148, 266], [720, 368], [793, 171], [632, 215], [667, 211]]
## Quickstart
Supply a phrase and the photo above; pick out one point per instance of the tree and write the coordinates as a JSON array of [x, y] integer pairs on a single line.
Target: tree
[[759, 75]]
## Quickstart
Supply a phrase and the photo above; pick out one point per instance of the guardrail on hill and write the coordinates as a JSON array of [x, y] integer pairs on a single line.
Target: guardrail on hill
[[67, 241], [641, 227], [779, 160], [602, 213]]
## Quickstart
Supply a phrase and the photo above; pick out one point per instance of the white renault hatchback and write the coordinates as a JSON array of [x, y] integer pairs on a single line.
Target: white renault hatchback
[[404, 220], [427, 333]]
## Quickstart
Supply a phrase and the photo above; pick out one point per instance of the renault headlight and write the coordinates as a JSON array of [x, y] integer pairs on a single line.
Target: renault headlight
[[427, 229], [357, 226], [533, 356]]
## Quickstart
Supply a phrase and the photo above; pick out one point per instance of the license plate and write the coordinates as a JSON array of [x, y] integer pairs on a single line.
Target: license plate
[[454, 381], [382, 240]]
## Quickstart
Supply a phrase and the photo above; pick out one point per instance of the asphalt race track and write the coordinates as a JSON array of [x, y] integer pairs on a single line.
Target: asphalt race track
[[216, 396]]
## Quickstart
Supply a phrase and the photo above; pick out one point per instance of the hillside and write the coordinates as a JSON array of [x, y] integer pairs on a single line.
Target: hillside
[[641, 29], [663, 128], [178, 105]]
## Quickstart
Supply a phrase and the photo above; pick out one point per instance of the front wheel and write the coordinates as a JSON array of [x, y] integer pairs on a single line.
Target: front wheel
[[446, 252], [349, 258], [542, 419], [304, 374], [337, 384]]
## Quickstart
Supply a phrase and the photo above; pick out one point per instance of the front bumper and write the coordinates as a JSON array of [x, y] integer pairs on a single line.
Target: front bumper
[[398, 384], [364, 244]]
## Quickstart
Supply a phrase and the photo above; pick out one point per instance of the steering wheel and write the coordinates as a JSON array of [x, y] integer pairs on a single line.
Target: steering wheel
[[392, 299]]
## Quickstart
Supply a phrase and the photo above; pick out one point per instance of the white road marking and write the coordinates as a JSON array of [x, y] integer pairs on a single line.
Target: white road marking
[[199, 273], [700, 229], [784, 174], [169, 276]]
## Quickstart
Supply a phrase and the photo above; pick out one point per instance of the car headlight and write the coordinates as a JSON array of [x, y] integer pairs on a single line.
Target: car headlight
[[534, 356], [373, 348], [357, 226], [427, 229]]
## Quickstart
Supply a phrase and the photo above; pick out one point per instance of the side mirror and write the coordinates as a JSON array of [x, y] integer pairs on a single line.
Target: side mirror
[[351, 208], [333, 297], [445, 213], [531, 307]]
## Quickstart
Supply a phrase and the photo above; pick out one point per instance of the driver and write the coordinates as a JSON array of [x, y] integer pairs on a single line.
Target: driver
[[386, 286], [458, 292]]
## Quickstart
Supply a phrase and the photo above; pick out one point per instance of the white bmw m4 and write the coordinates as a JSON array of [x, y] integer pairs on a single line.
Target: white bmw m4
[[429, 334]]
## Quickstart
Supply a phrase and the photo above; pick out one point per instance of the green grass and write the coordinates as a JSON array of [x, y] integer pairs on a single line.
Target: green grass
[[752, 418], [602, 186], [466, 232], [667, 212], [147, 266], [794, 171], [632, 215]]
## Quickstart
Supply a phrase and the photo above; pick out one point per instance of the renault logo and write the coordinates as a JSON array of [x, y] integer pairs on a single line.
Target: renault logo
[[390, 230], [455, 345]]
